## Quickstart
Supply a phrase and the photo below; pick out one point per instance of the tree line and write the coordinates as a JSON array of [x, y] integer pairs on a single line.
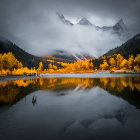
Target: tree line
[[10, 65], [118, 62]]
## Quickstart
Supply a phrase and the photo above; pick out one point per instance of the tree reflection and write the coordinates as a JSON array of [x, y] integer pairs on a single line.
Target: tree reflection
[[126, 87]]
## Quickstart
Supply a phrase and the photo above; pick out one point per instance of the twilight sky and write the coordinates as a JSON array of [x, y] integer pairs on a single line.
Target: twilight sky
[[34, 26]]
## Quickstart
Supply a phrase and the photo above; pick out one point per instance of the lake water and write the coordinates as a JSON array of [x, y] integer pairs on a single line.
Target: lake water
[[71, 108]]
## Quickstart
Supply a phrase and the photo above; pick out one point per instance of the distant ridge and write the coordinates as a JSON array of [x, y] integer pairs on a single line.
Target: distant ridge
[[68, 57], [84, 21], [119, 28], [63, 19], [27, 59], [132, 46]]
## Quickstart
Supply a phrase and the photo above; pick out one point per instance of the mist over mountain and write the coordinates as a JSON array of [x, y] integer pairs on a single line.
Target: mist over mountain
[[119, 28], [86, 37], [79, 40], [132, 46], [64, 20], [65, 56], [84, 27]]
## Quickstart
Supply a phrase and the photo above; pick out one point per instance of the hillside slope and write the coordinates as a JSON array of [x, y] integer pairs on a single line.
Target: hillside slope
[[27, 59], [132, 46]]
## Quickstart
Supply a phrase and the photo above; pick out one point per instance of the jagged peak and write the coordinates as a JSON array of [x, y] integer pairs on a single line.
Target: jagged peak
[[63, 19], [60, 15], [84, 21], [120, 26], [83, 18], [120, 22]]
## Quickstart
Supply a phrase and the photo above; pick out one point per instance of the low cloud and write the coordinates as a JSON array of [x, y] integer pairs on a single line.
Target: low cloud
[[35, 27], [47, 34]]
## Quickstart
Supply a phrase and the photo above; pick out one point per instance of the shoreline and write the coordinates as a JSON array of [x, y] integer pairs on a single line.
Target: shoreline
[[104, 74], [4, 78]]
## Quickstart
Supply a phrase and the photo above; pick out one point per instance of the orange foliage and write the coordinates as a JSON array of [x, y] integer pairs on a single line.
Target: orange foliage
[[10, 89], [10, 65]]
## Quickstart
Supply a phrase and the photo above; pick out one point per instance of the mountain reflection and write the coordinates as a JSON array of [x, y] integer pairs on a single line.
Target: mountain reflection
[[127, 88]]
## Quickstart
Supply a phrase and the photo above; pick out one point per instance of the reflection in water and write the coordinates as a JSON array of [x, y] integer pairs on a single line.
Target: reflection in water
[[70, 108], [126, 87]]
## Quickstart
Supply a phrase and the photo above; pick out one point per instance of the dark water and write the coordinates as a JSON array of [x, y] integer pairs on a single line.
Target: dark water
[[70, 109]]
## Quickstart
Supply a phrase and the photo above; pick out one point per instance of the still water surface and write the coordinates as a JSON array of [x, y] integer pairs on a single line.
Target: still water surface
[[70, 108]]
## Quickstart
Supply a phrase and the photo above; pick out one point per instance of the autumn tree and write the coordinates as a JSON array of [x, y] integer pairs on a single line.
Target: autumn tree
[[19, 65], [9, 62], [5, 61], [124, 64], [40, 67], [131, 62], [54, 67], [119, 60], [137, 60], [103, 57], [104, 66], [91, 66], [50, 66], [112, 62], [137, 63]]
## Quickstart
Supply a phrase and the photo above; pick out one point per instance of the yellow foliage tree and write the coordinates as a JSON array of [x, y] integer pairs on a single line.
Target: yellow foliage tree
[[50, 66], [119, 60], [112, 62], [40, 67], [137, 63], [54, 67], [137, 60], [124, 64], [104, 66], [131, 62], [9, 62]]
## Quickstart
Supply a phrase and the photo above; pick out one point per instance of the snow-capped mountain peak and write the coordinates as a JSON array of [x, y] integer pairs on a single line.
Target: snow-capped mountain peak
[[120, 22], [64, 20], [120, 26], [84, 21], [119, 29]]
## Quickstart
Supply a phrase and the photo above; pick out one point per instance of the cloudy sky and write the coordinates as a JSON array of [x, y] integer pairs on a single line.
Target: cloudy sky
[[35, 27]]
